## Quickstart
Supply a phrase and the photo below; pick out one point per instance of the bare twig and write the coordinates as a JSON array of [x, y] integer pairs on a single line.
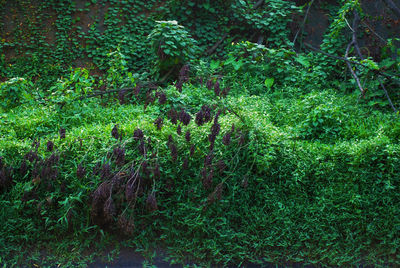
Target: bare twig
[[304, 21], [387, 96], [258, 4], [333, 56], [372, 31], [355, 28], [260, 39], [355, 25], [390, 76], [100, 93], [214, 47], [237, 115], [351, 69], [347, 23], [355, 62], [141, 84], [354, 43], [166, 75], [392, 5], [354, 36]]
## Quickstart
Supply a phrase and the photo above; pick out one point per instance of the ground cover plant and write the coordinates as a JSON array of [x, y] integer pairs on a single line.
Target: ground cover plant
[[140, 124]]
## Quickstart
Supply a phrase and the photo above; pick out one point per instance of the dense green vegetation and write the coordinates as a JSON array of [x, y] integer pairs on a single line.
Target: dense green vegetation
[[165, 125]]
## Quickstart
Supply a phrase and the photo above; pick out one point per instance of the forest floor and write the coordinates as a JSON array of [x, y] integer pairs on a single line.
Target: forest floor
[[128, 258]]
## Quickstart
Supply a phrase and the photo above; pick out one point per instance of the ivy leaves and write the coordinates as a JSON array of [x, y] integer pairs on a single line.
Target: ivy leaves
[[172, 44], [14, 92]]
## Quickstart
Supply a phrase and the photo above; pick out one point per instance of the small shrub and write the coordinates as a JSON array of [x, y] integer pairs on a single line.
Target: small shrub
[[14, 92], [172, 45]]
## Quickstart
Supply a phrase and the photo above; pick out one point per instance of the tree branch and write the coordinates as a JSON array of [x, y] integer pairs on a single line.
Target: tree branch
[[355, 62], [355, 28], [354, 36], [258, 4], [214, 47], [351, 69], [393, 6], [356, 19], [100, 93], [304, 21], [380, 37], [387, 96], [390, 76], [260, 39]]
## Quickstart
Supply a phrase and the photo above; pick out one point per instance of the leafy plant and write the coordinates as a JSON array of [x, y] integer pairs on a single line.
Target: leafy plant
[[70, 90], [172, 44], [14, 92], [118, 75], [271, 18]]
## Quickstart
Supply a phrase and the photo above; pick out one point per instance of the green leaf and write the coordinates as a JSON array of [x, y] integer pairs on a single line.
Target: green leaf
[[302, 60], [269, 82], [238, 64], [371, 64], [214, 64]]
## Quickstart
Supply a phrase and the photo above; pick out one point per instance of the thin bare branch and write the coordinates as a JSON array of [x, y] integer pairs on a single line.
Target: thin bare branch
[[394, 7], [354, 36], [390, 76], [258, 4], [375, 33], [304, 21], [353, 73], [387, 96], [355, 28], [214, 47]]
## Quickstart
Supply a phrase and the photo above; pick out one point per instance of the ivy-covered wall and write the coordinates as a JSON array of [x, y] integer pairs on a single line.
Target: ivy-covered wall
[[81, 33], [40, 38]]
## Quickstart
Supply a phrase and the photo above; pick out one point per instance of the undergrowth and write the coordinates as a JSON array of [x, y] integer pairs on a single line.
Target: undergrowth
[[287, 177], [245, 153]]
